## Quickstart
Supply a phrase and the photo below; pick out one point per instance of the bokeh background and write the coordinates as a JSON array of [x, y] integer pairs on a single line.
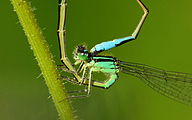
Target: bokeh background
[[165, 41]]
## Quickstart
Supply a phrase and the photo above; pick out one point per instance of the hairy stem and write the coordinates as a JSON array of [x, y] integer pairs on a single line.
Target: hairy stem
[[44, 58]]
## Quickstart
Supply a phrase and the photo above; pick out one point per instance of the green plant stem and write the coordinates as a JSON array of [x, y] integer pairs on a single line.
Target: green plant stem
[[44, 58]]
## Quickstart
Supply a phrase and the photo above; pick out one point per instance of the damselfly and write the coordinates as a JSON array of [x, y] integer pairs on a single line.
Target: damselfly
[[174, 85]]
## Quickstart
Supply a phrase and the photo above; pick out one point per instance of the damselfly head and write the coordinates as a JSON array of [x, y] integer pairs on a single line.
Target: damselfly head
[[80, 53]]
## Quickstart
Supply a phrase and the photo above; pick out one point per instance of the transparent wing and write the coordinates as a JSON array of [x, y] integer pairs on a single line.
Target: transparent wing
[[175, 85]]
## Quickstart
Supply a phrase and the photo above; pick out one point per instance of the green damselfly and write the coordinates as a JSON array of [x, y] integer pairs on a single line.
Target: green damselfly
[[174, 85]]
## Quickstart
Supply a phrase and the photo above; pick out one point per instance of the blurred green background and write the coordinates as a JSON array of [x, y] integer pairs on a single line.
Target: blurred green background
[[165, 41]]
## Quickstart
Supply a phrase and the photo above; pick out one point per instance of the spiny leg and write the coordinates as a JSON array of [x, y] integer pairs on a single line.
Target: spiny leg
[[73, 79], [83, 76], [79, 70], [66, 70], [117, 42], [90, 83], [88, 89], [82, 67]]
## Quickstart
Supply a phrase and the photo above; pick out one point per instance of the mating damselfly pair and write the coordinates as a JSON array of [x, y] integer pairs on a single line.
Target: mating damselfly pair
[[174, 85]]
